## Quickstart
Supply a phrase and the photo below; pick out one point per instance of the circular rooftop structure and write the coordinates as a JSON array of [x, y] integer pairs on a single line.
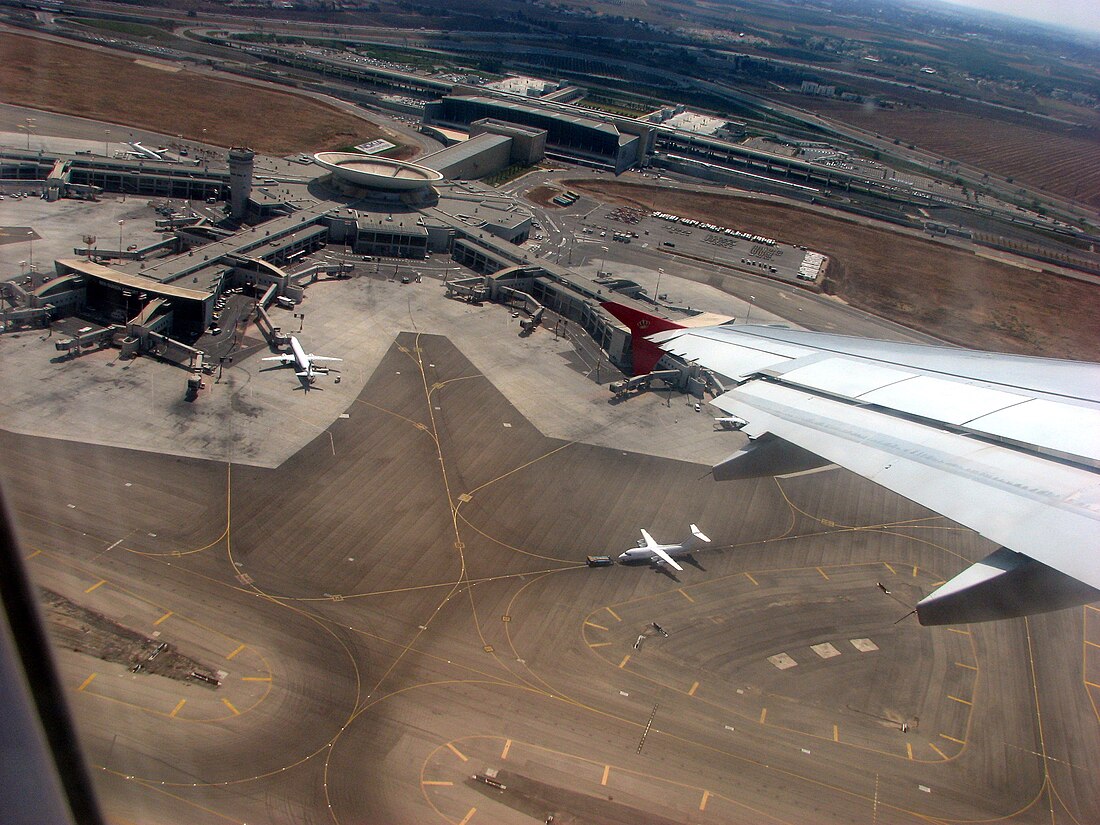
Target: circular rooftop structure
[[378, 173]]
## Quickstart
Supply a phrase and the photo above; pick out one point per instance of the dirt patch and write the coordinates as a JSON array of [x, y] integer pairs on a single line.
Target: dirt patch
[[43, 74], [952, 294], [544, 195], [84, 631]]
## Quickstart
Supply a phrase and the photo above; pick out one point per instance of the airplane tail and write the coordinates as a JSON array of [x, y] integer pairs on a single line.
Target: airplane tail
[[696, 539], [641, 324]]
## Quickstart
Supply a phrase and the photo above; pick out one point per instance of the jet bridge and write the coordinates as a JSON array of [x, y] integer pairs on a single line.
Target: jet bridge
[[641, 383]]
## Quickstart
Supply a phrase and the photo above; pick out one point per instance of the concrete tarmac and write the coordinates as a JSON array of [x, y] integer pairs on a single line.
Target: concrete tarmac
[[402, 605]]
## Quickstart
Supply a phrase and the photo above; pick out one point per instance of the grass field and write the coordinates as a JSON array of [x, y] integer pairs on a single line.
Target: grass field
[[1061, 160], [72, 80], [947, 292]]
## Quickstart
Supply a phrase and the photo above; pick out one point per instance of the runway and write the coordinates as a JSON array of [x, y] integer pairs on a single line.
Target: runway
[[403, 605]]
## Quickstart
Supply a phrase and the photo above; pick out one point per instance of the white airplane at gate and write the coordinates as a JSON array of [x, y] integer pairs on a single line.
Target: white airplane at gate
[[650, 551], [305, 364]]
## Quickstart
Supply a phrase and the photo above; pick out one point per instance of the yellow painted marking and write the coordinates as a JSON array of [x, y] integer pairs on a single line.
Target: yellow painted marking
[[606, 771], [86, 682], [703, 801], [468, 817], [751, 579], [937, 750], [32, 555], [680, 590], [235, 652], [960, 701], [229, 705], [597, 626], [891, 569], [436, 782], [961, 632], [968, 667], [909, 749], [614, 615], [178, 708], [1090, 607], [96, 586], [823, 575], [914, 571], [1091, 644], [458, 753], [626, 659], [763, 715], [836, 733], [952, 739], [507, 747], [599, 644], [255, 678], [937, 584], [694, 687], [162, 618], [1091, 684]]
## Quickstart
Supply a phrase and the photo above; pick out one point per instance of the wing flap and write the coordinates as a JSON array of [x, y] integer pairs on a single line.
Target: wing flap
[[1045, 510]]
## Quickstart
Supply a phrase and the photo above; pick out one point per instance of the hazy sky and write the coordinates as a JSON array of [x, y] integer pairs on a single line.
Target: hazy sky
[[1077, 14]]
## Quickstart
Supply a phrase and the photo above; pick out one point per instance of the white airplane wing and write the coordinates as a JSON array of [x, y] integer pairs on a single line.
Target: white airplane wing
[[285, 359], [648, 539], [665, 558], [1006, 445], [323, 358]]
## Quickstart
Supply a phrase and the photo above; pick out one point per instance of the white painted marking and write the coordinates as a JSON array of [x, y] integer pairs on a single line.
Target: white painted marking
[[824, 469], [924, 788], [506, 424], [782, 661], [623, 693], [344, 415], [805, 751], [730, 727], [825, 650], [863, 645], [113, 546]]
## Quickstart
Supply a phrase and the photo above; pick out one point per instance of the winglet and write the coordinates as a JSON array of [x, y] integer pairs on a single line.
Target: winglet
[[641, 324]]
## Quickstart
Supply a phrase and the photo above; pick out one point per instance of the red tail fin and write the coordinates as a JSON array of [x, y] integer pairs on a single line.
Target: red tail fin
[[646, 353]]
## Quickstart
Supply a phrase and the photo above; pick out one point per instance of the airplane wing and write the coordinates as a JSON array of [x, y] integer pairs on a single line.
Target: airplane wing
[[1007, 445], [649, 542], [284, 359], [665, 558], [323, 358]]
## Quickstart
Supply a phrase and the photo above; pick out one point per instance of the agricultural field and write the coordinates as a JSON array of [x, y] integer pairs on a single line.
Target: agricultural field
[[947, 292], [91, 83], [1061, 160]]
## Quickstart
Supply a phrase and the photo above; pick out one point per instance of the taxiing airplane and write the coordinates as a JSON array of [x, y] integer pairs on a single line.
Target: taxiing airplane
[[305, 364], [1006, 445], [650, 551]]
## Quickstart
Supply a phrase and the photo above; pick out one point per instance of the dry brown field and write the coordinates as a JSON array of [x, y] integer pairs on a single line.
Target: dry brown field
[[946, 292], [73, 80], [1061, 160]]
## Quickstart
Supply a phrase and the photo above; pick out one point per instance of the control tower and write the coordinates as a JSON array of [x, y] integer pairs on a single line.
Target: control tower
[[240, 181]]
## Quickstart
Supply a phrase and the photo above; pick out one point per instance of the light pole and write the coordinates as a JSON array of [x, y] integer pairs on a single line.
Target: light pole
[[106, 141], [30, 248], [603, 262], [748, 308], [657, 289], [120, 222]]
